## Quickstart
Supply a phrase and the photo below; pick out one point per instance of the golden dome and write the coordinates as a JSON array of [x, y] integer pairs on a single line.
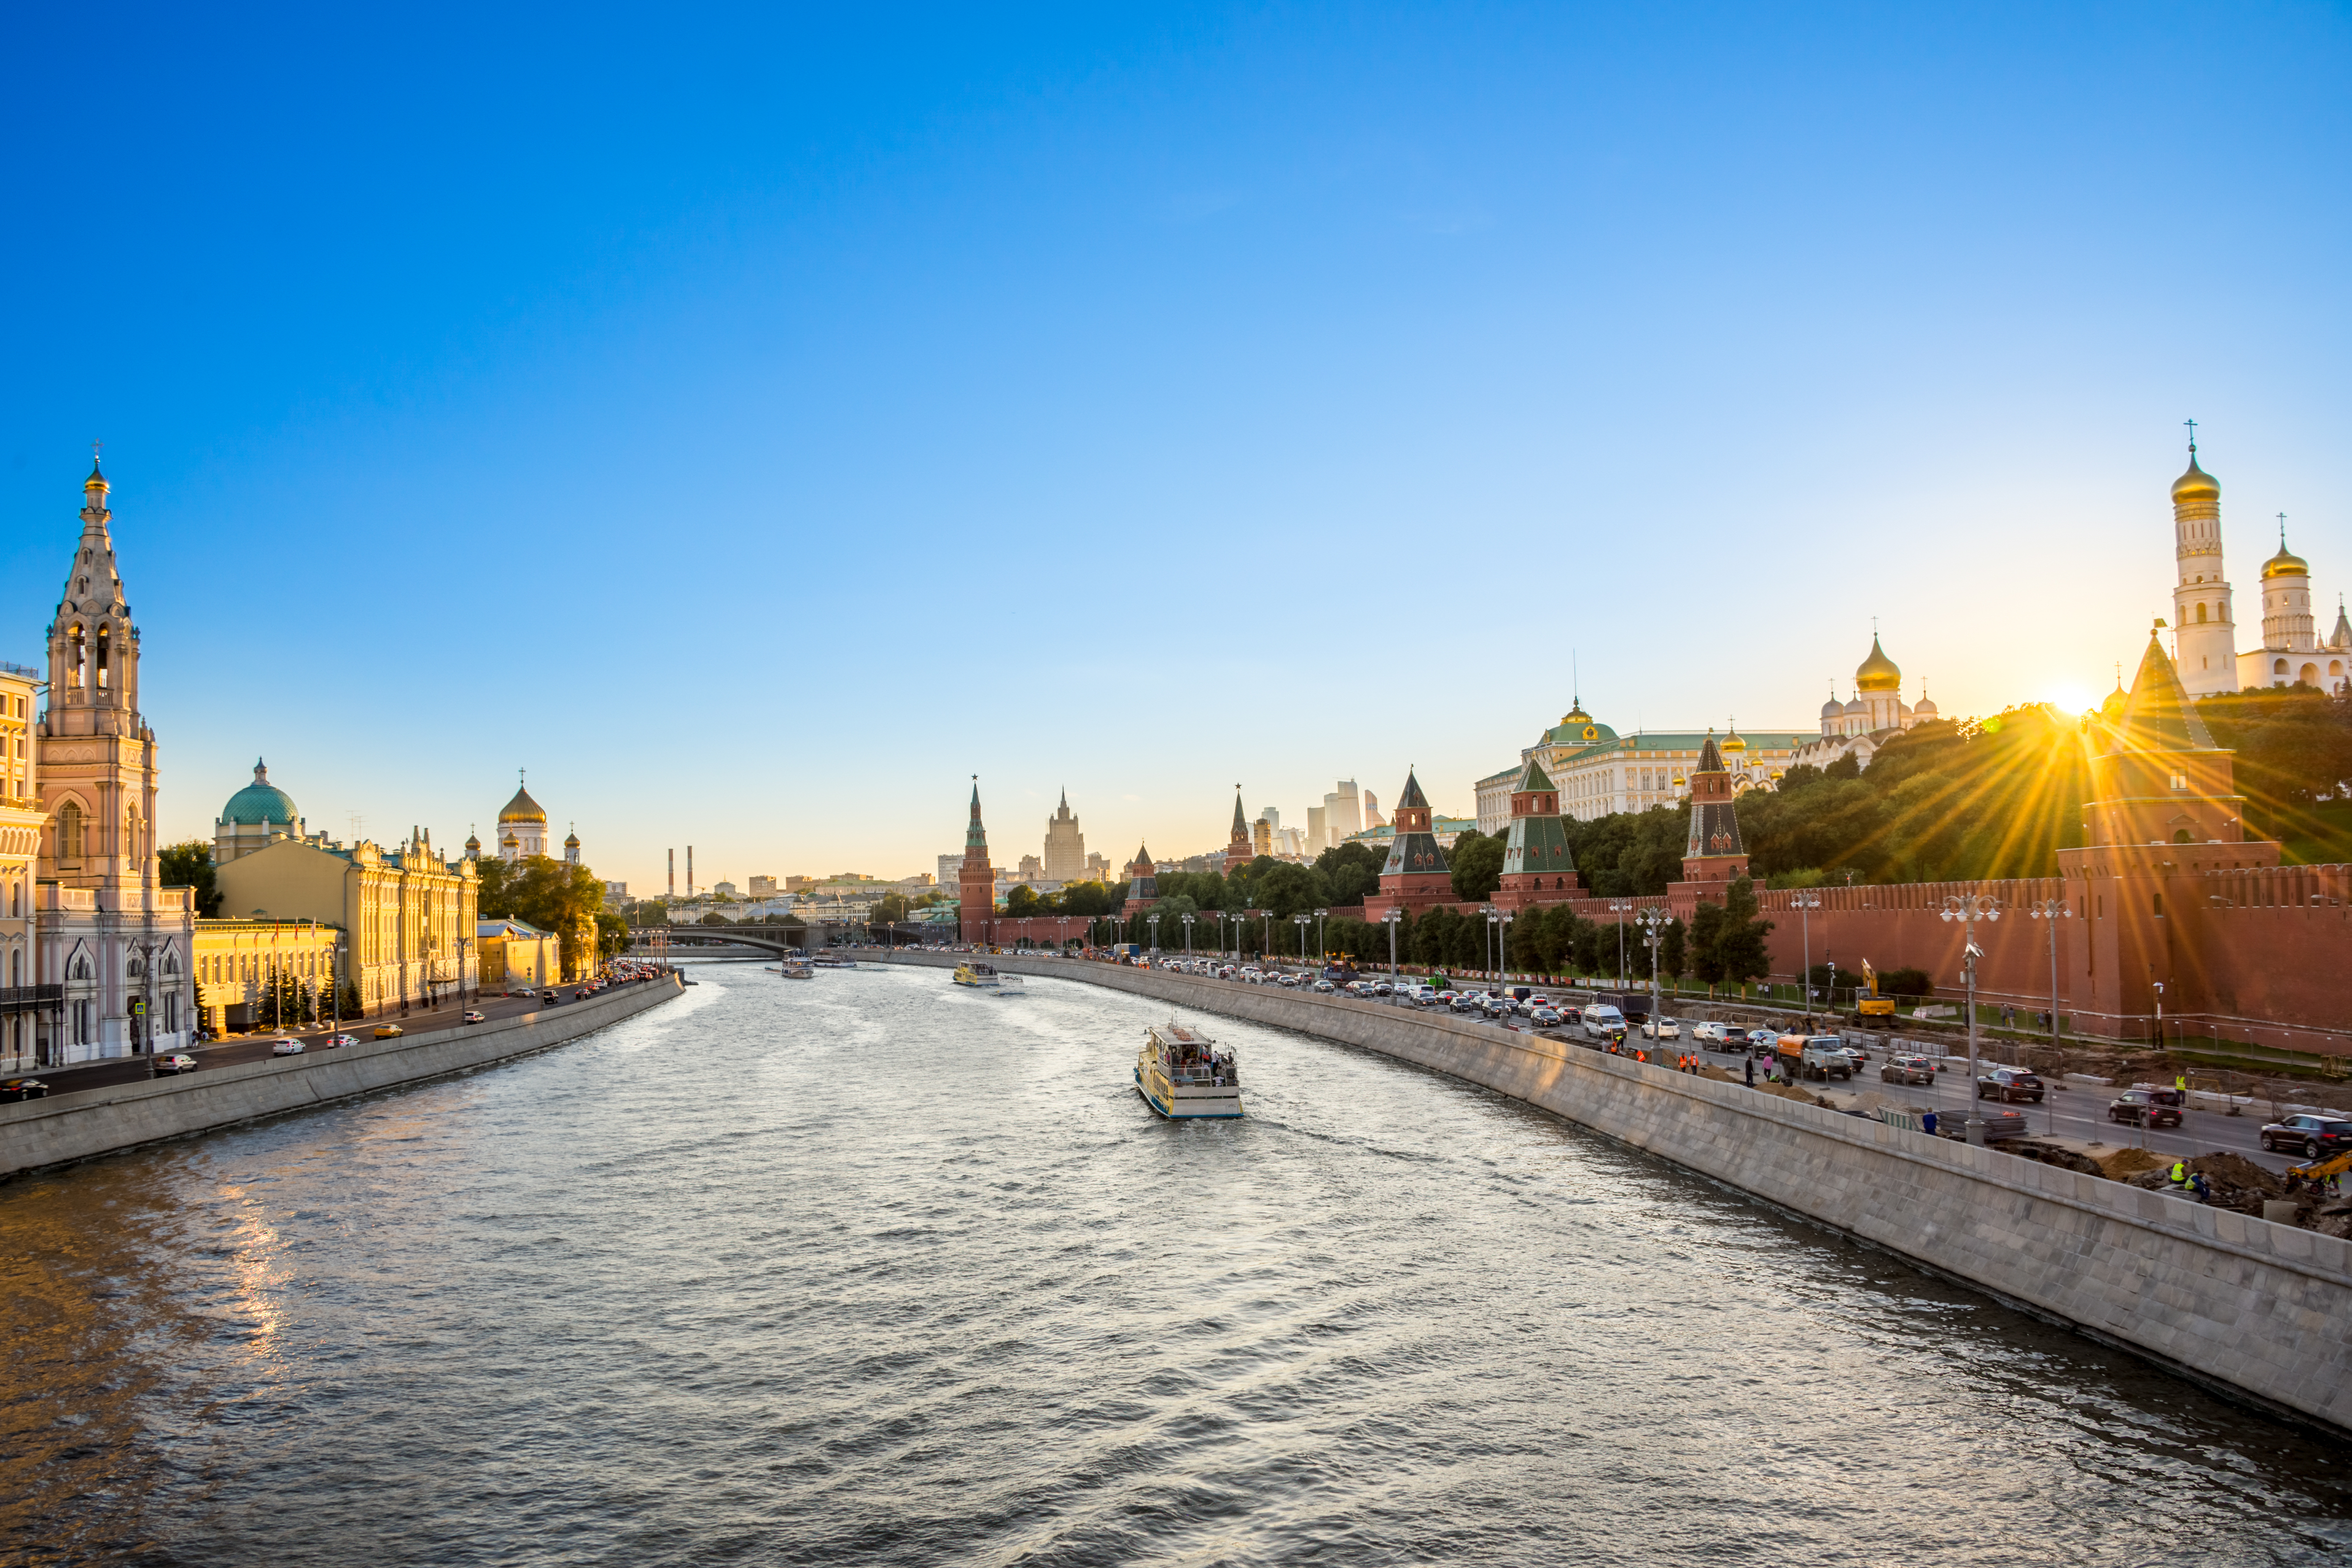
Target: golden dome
[[2196, 485], [1732, 742], [522, 808], [1878, 672], [2285, 564]]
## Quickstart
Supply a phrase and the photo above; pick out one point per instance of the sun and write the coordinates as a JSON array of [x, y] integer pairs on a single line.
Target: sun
[[2069, 699]]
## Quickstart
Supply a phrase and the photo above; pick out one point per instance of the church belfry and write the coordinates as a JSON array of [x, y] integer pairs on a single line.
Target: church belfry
[[2205, 633]]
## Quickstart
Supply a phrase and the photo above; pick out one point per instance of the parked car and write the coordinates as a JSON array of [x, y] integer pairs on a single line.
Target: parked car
[[1713, 1033], [1908, 1069], [2141, 1107], [387, 1031], [285, 1047], [473, 1017], [2007, 1084], [2312, 1135], [174, 1063], [1661, 1029], [16, 1089]]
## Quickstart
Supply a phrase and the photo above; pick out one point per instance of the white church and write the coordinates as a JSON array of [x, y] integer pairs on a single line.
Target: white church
[[2204, 627]]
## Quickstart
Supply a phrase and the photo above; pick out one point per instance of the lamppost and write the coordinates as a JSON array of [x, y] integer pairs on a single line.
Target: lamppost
[[1830, 996], [1503, 943], [1619, 906], [1654, 923], [2053, 911], [1389, 919], [1969, 908], [1494, 920], [1269, 932], [462, 943], [1187, 935], [1805, 904], [1320, 947], [1302, 922], [1153, 922]]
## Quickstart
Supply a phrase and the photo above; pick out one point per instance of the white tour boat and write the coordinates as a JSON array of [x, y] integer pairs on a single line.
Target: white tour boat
[[792, 971], [1180, 1074], [973, 973], [833, 960], [1009, 983]]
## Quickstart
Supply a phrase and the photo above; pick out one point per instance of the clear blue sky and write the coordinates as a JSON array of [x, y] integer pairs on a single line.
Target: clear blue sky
[[1136, 402]]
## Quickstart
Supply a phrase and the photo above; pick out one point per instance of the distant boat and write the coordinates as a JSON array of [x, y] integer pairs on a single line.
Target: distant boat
[[1009, 983], [833, 960], [792, 971], [1182, 1075], [982, 976]]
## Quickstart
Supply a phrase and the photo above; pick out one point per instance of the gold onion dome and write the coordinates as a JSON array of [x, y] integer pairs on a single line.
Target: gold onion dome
[[2285, 564], [2196, 485], [522, 808], [1878, 672], [1732, 742]]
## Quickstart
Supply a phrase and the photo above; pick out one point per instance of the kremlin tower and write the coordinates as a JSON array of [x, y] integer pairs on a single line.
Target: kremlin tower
[[975, 882]]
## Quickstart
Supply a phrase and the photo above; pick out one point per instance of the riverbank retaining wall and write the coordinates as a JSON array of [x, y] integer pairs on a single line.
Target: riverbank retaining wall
[[93, 1121], [2257, 1310]]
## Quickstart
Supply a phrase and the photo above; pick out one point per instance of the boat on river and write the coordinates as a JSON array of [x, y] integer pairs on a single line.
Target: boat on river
[[1181, 1074], [983, 976], [833, 960], [791, 971], [1009, 983]]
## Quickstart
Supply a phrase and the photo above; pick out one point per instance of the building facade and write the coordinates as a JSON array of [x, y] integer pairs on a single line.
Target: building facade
[[1066, 847], [1875, 715], [1599, 772], [240, 962], [120, 946], [2205, 655], [515, 956], [22, 997]]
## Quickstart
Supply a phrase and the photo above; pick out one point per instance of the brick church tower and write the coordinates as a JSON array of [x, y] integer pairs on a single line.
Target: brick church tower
[[1713, 857], [976, 882], [1239, 852]]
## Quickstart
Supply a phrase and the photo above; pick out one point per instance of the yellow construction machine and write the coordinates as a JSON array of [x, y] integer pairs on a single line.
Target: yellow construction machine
[[1873, 1011]]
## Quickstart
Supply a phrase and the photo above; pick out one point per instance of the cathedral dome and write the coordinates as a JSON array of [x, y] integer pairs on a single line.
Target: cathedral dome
[[260, 802], [1923, 709], [2285, 564], [1732, 742], [522, 808], [1832, 708], [2196, 485], [1878, 672]]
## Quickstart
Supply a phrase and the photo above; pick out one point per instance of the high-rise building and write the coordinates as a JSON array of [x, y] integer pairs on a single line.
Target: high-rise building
[[1066, 847], [1343, 811], [1372, 817], [1263, 837], [1318, 829]]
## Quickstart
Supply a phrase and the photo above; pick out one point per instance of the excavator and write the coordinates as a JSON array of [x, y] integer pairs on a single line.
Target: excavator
[[2319, 1170], [1873, 1011]]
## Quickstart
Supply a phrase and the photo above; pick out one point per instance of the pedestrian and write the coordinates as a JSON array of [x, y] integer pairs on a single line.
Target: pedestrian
[[1751, 1072], [1928, 1124]]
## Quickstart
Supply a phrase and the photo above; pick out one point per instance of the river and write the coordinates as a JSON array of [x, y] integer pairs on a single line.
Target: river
[[868, 1270]]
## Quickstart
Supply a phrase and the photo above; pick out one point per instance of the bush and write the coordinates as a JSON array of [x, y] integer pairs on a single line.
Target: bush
[[1906, 983]]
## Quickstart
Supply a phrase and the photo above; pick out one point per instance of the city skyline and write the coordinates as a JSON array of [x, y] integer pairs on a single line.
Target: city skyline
[[1747, 334]]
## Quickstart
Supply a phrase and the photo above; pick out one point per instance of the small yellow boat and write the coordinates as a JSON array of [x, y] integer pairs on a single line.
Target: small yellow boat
[[1182, 1075]]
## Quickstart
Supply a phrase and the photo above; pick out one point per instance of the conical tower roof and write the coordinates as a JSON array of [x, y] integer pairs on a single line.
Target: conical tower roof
[[1412, 799], [1532, 777], [1710, 757], [975, 837], [2159, 717], [1241, 826]]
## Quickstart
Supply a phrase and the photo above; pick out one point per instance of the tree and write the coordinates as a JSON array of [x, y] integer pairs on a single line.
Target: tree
[[1706, 960], [1019, 901], [190, 865], [713, 918], [1477, 861], [1739, 942], [1674, 951], [1350, 871], [611, 934]]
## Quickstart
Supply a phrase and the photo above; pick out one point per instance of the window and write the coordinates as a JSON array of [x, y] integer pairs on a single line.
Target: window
[[2201, 615], [2279, 668], [2160, 904]]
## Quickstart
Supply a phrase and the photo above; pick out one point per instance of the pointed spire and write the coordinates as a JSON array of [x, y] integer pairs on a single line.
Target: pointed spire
[[1241, 826], [1411, 799], [2159, 716]]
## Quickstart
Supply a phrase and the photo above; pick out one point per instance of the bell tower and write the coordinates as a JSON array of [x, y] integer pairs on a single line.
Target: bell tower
[[975, 882], [2206, 633]]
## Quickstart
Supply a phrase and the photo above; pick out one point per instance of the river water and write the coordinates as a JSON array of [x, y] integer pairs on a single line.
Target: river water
[[869, 1271]]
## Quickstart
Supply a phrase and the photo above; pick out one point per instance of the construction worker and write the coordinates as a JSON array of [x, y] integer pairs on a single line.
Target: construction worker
[[2177, 1177], [2181, 1082]]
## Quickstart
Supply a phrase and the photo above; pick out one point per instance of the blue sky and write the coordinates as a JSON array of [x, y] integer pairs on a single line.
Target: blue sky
[[756, 423]]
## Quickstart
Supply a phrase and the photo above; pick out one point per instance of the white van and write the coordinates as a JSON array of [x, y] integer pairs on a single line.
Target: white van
[[1602, 1020]]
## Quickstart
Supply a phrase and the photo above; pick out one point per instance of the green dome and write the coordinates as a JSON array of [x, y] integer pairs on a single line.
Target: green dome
[[260, 802]]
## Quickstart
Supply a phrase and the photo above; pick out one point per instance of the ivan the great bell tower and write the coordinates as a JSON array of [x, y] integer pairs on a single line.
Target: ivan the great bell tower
[[2205, 634]]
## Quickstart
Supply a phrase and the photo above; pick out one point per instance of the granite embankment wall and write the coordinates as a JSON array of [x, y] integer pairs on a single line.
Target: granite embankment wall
[[2261, 1310], [88, 1122]]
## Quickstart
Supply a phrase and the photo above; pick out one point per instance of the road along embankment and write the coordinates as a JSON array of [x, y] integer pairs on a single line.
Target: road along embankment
[[2258, 1310], [90, 1122]]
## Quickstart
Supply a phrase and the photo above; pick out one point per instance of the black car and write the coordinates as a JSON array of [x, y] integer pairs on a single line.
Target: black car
[[2007, 1084], [2145, 1108], [2312, 1136], [17, 1089]]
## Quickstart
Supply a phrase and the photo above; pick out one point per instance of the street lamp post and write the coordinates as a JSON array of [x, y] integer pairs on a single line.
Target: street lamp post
[[1153, 922], [1269, 932], [1320, 948], [1188, 935], [2053, 911], [1969, 908], [1503, 944], [1654, 923], [1619, 906], [1389, 919], [1302, 922], [1805, 904], [1492, 921], [1830, 993]]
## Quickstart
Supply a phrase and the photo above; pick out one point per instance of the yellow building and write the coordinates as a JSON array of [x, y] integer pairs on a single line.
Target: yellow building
[[237, 960], [20, 844], [517, 955]]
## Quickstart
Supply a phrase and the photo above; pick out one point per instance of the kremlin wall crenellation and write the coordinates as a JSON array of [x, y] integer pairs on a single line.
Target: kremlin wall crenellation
[[2168, 902]]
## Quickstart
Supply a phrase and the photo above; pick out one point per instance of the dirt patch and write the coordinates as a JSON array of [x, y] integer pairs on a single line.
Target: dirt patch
[[1718, 1074], [2055, 1154], [2125, 1163], [2233, 1180], [1790, 1091]]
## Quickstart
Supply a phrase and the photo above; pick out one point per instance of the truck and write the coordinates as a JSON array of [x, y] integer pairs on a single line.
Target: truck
[[1873, 1011], [1811, 1056], [1633, 1005]]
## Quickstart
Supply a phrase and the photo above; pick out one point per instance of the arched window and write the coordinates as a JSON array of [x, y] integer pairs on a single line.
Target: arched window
[[69, 834], [2279, 669], [2181, 837], [2201, 615], [80, 655], [105, 648]]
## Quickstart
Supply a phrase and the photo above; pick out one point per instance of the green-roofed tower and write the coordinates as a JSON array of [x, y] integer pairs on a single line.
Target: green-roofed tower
[[1537, 866]]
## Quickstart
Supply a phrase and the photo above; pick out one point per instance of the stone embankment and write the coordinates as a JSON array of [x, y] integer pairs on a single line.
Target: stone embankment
[[2256, 1309], [78, 1126]]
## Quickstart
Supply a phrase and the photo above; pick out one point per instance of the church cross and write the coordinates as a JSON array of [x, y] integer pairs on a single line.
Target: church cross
[[2192, 436]]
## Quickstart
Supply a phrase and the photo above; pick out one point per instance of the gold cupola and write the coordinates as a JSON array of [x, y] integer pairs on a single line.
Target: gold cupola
[[2285, 564], [2196, 485], [1878, 672]]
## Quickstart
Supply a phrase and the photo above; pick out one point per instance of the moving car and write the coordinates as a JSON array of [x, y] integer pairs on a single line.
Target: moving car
[[387, 1031], [1908, 1069], [1661, 1029], [336, 1042], [176, 1063], [1716, 1033], [2007, 1084], [2141, 1107], [473, 1017], [285, 1047], [1543, 1018], [1761, 1040], [547, 997], [16, 1089], [1602, 1021], [2313, 1135]]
